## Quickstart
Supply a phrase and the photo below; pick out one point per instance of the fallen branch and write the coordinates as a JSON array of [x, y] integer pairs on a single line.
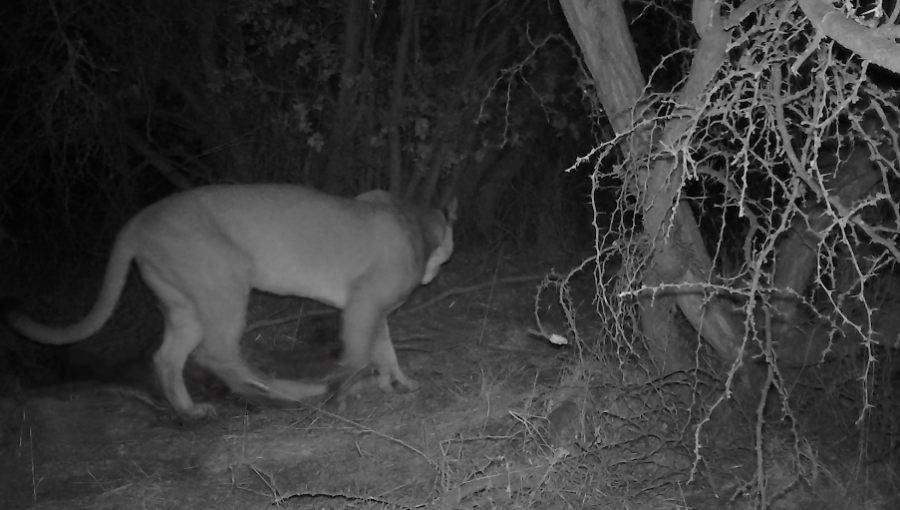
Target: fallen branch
[[265, 323], [455, 291]]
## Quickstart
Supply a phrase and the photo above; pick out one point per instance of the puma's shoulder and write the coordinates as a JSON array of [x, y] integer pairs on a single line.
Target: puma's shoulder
[[429, 231]]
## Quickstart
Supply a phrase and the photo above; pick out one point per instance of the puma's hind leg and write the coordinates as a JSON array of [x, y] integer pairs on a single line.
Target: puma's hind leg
[[183, 333], [243, 379], [385, 359], [224, 317]]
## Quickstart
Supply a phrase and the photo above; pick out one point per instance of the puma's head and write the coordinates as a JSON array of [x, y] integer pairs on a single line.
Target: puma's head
[[442, 227]]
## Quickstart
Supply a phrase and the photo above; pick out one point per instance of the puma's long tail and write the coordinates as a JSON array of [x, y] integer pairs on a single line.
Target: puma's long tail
[[113, 282]]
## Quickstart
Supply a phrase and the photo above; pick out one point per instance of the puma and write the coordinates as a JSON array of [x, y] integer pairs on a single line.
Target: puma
[[202, 251]]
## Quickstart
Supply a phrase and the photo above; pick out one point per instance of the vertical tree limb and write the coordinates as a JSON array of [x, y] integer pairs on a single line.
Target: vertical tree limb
[[340, 140], [678, 253], [394, 114]]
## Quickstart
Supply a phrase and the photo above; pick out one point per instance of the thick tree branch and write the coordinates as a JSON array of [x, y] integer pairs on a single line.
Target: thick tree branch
[[873, 44], [139, 145]]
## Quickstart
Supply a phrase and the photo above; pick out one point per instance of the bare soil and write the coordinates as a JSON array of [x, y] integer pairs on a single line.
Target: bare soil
[[111, 442], [503, 419]]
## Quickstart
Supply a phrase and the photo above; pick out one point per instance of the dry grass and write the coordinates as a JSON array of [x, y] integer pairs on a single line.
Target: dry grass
[[503, 420]]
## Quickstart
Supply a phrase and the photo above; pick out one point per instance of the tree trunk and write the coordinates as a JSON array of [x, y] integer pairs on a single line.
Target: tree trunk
[[679, 255], [231, 156], [501, 175], [340, 140], [852, 177], [393, 122]]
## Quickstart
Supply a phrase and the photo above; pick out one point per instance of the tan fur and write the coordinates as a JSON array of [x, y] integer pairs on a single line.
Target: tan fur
[[203, 250]]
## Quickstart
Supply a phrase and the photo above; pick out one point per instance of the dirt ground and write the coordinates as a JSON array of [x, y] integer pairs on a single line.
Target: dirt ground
[[492, 425], [108, 444]]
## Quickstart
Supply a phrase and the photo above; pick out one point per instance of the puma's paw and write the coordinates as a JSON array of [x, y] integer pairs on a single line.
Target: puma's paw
[[390, 380], [408, 383], [338, 389], [402, 381], [385, 382], [197, 412], [336, 403]]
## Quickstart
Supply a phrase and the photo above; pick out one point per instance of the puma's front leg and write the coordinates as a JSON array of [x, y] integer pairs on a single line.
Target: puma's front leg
[[367, 342], [360, 320], [385, 359]]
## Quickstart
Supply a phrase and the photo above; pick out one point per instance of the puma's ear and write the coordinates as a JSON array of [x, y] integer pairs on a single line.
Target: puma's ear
[[450, 211], [377, 196]]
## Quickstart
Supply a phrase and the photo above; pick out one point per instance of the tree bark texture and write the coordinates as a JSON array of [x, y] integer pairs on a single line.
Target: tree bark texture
[[340, 140], [852, 177], [501, 175], [222, 140], [395, 171], [878, 45], [678, 253]]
